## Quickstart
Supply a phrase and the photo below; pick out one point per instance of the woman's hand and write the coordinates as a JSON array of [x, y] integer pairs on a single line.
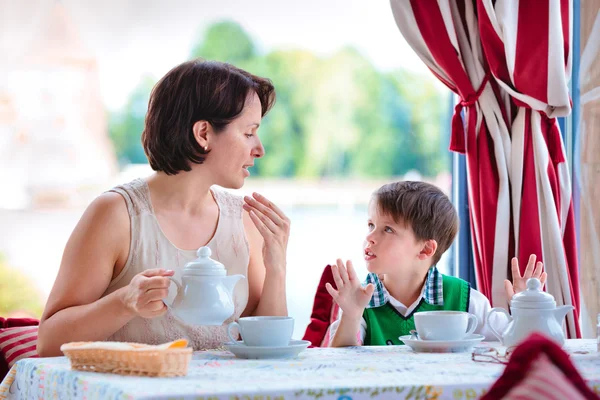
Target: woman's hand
[[350, 295], [145, 293], [273, 226], [519, 283]]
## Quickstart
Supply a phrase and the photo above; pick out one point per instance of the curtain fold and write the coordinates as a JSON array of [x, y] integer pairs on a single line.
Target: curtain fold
[[509, 63], [527, 45]]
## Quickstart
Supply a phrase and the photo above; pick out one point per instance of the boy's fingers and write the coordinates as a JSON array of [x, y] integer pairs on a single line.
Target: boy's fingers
[[336, 277], [537, 272], [543, 278], [508, 287], [530, 266], [369, 289], [515, 268], [334, 293], [351, 272], [342, 269]]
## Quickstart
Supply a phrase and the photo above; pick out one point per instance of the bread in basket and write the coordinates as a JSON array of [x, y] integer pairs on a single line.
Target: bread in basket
[[165, 360]]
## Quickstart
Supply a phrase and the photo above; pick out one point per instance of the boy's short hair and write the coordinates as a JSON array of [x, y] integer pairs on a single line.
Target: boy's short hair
[[424, 208]]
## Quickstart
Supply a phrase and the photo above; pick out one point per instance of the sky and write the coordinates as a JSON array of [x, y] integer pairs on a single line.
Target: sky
[[131, 38]]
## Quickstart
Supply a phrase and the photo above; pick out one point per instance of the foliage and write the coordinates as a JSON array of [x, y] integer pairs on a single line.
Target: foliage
[[335, 116], [225, 41], [126, 126], [17, 292]]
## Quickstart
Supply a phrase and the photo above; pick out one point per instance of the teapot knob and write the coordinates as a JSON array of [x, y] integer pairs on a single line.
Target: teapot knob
[[534, 284], [204, 252]]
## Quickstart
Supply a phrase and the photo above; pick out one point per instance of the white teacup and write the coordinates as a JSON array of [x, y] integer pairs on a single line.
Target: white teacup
[[445, 325], [264, 331]]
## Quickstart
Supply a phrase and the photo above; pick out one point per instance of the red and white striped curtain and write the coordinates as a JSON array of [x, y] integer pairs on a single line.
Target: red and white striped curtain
[[509, 61], [527, 45]]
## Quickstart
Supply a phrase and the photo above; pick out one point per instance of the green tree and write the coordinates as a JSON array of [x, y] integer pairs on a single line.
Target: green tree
[[334, 116], [126, 126], [385, 125], [355, 109], [339, 116], [17, 292], [427, 110], [284, 129], [225, 41]]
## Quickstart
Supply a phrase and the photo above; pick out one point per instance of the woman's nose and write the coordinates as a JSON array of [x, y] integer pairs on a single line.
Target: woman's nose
[[259, 150]]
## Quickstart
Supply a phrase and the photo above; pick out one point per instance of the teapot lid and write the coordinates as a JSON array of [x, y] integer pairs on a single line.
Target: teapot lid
[[533, 297], [204, 265]]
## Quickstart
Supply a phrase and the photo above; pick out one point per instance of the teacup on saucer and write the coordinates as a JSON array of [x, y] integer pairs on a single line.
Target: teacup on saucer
[[263, 331], [445, 325]]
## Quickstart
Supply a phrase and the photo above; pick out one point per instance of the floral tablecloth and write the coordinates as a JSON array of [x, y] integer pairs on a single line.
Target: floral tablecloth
[[350, 373]]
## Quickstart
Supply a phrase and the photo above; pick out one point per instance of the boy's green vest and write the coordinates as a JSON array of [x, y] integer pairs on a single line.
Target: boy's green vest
[[385, 324]]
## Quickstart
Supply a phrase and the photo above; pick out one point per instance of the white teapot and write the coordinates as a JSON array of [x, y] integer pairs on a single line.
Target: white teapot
[[205, 296], [532, 311]]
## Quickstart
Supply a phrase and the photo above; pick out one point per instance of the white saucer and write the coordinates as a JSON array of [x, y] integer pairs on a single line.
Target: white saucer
[[442, 346], [240, 350]]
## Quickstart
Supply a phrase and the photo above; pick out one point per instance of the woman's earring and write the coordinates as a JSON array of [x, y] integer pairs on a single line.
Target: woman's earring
[[205, 148]]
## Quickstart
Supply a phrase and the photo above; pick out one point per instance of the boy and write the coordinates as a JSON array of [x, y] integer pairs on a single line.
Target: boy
[[411, 224]]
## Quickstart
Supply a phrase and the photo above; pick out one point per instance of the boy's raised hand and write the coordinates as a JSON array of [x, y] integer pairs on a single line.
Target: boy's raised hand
[[350, 295], [519, 283]]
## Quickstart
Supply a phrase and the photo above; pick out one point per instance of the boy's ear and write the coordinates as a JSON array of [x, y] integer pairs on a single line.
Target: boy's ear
[[428, 250]]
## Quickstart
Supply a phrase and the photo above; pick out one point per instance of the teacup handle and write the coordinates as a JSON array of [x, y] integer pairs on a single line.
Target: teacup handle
[[495, 332], [178, 290], [229, 328], [473, 321]]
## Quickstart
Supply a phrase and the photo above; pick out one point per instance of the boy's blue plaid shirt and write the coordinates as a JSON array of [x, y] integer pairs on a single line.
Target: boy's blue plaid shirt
[[433, 293]]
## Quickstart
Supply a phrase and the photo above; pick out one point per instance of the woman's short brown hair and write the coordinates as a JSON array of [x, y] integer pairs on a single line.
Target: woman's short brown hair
[[196, 90], [424, 208]]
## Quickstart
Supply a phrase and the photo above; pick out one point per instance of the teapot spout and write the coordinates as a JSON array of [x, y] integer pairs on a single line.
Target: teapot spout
[[561, 312], [230, 281]]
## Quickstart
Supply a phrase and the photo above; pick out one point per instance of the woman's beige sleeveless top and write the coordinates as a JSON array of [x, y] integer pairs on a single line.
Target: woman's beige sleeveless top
[[150, 248]]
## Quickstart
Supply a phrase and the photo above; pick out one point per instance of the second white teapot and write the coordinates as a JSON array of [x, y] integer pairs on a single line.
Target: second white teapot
[[532, 311]]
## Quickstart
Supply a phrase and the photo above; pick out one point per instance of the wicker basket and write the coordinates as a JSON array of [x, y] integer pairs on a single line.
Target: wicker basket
[[129, 358]]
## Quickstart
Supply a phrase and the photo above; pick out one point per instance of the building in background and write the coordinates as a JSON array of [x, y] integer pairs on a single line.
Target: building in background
[[52, 118]]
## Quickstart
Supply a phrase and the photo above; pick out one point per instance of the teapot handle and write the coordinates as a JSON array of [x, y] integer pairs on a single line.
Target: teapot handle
[[178, 290], [495, 332]]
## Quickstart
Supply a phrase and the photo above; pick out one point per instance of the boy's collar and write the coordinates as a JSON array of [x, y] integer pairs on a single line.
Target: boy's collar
[[432, 294]]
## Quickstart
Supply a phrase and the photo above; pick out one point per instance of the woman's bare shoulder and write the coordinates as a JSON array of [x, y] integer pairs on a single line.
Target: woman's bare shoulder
[[109, 206], [104, 222]]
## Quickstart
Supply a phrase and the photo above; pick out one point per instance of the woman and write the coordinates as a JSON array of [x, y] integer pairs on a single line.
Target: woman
[[200, 130]]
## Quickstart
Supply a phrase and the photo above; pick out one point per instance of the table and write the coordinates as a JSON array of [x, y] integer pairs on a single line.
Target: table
[[320, 373]]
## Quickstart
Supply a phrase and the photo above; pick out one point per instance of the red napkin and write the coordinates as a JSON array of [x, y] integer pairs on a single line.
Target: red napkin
[[540, 369]]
